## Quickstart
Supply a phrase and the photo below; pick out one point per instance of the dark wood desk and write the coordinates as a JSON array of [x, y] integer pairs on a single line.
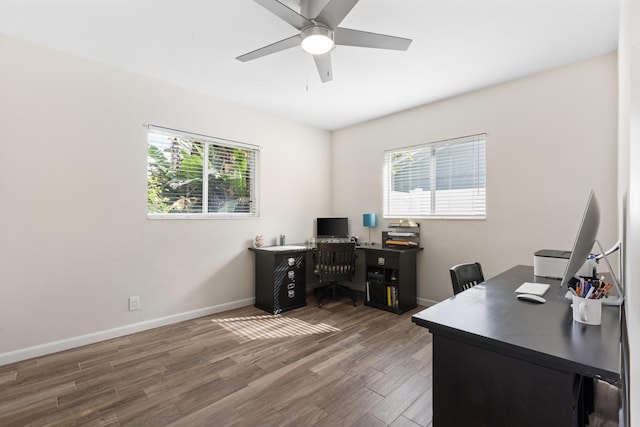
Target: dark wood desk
[[282, 277], [499, 361], [390, 277]]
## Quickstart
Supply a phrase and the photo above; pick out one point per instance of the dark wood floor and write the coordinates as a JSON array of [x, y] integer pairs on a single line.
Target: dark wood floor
[[338, 365]]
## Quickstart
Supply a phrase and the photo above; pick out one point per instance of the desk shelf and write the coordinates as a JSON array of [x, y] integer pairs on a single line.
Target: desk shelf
[[402, 236], [391, 279]]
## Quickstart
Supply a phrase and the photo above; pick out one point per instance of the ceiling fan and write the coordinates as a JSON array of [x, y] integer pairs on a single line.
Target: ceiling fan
[[319, 32]]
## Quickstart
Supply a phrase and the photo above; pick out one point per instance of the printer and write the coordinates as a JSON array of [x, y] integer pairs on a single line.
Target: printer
[[552, 264]]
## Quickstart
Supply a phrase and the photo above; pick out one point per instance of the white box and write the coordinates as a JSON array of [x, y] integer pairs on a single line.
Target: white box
[[553, 263]]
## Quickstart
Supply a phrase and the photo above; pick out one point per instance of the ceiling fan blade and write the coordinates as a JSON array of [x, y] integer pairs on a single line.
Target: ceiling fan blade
[[334, 12], [285, 13], [323, 64], [310, 8], [347, 37], [272, 48]]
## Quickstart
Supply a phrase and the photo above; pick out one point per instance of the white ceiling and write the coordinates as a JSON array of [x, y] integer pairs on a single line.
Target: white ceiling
[[458, 46]]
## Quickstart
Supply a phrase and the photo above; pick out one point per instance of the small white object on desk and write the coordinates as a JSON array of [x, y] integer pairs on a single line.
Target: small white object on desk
[[533, 288], [532, 298]]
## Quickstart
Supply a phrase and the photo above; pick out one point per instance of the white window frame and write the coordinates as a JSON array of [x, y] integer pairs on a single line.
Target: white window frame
[[207, 142], [417, 166]]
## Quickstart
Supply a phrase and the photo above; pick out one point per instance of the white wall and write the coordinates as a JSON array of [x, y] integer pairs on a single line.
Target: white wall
[[550, 139], [629, 184], [76, 242], [75, 238]]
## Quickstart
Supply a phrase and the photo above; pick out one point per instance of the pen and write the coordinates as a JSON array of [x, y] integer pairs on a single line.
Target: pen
[[589, 292], [603, 292]]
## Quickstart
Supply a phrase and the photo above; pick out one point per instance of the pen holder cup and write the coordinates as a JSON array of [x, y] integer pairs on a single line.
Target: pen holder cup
[[587, 311]]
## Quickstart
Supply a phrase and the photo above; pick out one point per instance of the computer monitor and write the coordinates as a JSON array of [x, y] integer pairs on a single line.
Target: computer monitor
[[332, 227], [585, 239]]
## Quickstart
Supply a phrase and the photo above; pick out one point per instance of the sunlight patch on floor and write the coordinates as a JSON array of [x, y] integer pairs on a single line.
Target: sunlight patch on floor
[[263, 327]]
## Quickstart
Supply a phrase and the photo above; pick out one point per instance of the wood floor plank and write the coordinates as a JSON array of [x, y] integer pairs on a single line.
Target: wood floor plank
[[405, 422], [137, 409], [78, 406], [158, 415], [333, 361], [349, 406], [306, 415], [31, 414], [8, 377], [368, 420], [335, 365], [109, 420], [113, 377], [223, 409], [295, 390], [401, 398], [396, 376], [86, 354], [421, 411], [33, 396], [24, 364], [108, 413]]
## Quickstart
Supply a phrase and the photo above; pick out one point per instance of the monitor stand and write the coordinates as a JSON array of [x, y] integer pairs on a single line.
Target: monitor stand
[[614, 299]]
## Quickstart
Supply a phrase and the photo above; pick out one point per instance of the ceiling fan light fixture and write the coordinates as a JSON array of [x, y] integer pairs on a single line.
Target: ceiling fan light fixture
[[317, 40]]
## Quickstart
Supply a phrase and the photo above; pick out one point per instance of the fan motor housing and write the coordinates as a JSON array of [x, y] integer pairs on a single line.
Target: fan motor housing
[[317, 39]]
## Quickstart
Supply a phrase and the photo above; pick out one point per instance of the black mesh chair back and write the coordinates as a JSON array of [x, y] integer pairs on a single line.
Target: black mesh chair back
[[465, 276], [335, 262]]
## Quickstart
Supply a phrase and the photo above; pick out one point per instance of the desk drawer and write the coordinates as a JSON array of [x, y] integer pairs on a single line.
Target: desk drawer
[[290, 295], [383, 259], [289, 262], [280, 281]]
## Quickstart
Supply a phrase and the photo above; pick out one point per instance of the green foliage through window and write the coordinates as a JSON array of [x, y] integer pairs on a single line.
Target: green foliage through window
[[194, 174]]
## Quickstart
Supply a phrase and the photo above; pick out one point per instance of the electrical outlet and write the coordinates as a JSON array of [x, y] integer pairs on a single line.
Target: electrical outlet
[[134, 303]]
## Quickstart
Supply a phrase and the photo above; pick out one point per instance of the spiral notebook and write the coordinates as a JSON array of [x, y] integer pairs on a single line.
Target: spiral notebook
[[532, 288]]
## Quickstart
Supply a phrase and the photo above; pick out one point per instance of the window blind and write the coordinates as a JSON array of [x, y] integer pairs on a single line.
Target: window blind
[[438, 179], [192, 175]]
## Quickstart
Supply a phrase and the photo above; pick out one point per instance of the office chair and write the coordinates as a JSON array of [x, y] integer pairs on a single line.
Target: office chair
[[334, 262], [465, 276]]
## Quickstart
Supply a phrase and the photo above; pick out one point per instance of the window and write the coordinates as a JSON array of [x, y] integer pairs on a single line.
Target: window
[[190, 175], [440, 179]]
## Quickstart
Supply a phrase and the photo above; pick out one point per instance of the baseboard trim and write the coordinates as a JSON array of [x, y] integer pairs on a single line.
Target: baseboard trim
[[426, 302], [66, 344]]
